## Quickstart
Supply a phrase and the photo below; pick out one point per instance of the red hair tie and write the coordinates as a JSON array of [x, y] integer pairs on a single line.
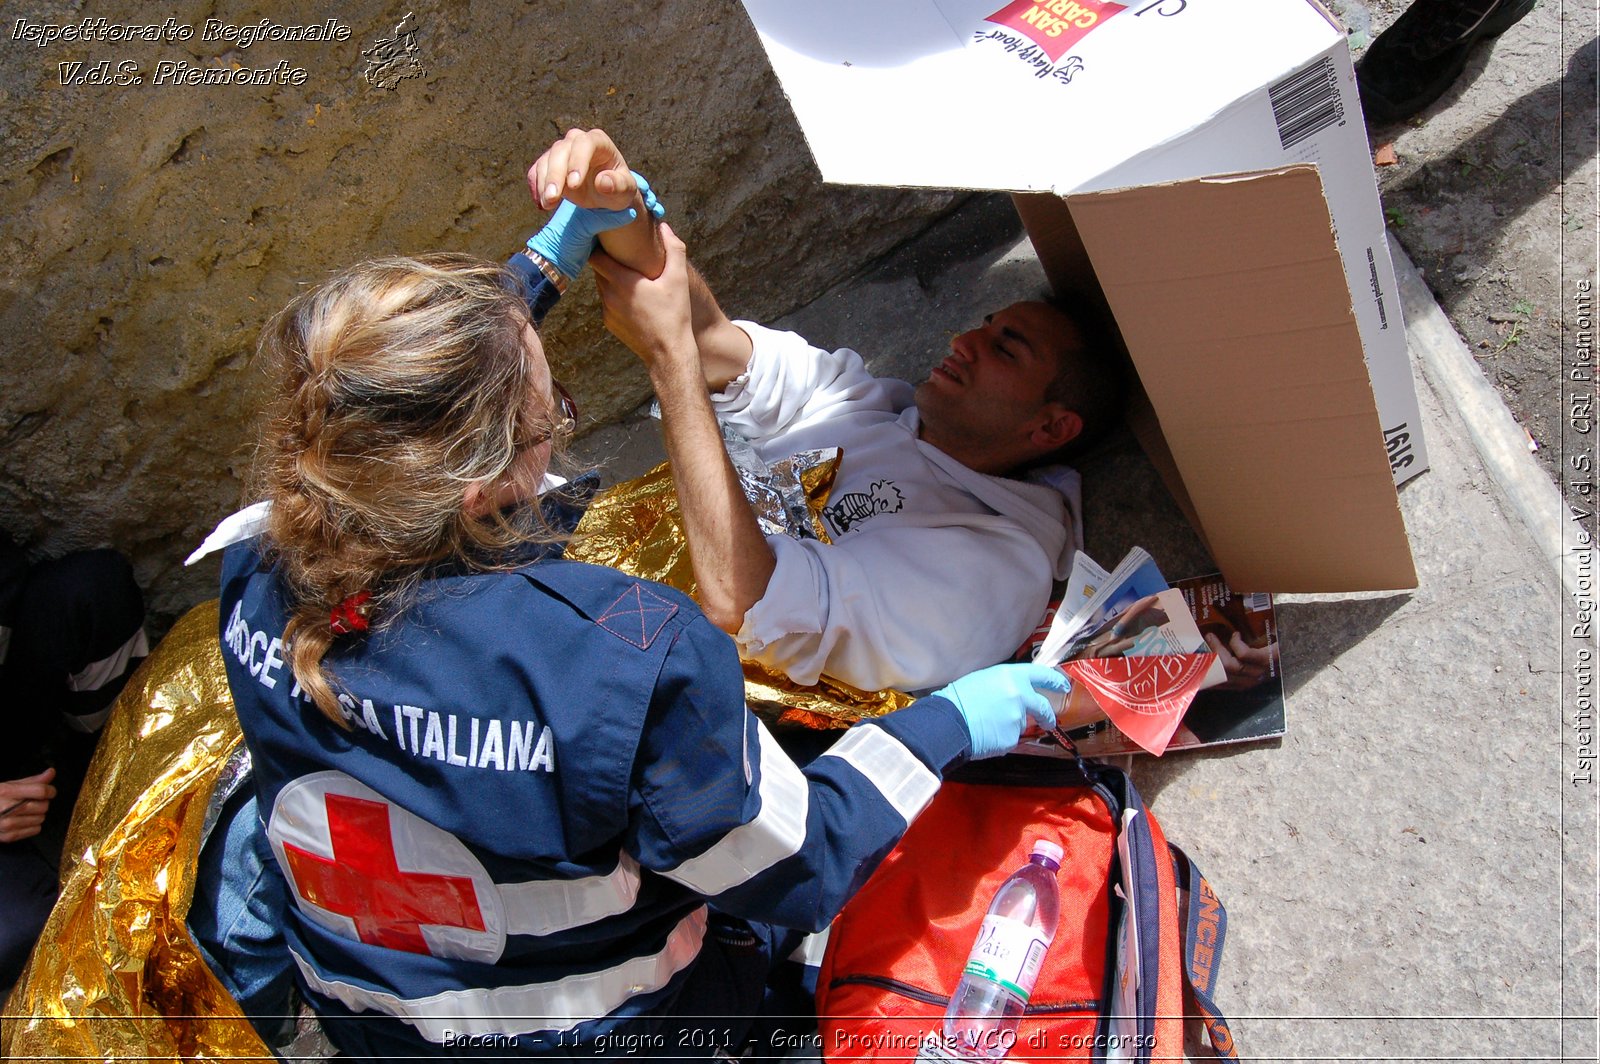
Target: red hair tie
[[351, 614]]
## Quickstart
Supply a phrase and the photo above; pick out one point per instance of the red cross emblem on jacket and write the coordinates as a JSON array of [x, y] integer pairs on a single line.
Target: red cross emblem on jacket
[[336, 841], [363, 881]]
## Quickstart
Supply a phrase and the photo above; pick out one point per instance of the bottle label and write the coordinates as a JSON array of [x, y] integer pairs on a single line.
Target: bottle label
[[1009, 952]]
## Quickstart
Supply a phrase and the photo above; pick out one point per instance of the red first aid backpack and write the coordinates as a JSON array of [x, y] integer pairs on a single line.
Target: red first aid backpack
[[1138, 941]]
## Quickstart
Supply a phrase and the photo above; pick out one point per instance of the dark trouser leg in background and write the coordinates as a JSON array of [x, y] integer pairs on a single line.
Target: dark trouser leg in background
[[77, 634]]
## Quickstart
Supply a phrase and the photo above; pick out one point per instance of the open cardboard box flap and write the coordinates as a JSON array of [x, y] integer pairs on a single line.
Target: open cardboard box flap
[[1261, 406], [957, 94], [1264, 425]]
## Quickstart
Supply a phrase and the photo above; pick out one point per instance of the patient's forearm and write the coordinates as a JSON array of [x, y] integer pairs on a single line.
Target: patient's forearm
[[637, 245], [724, 347], [731, 559]]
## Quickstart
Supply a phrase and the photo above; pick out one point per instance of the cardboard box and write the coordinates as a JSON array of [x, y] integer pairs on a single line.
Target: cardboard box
[[1204, 165]]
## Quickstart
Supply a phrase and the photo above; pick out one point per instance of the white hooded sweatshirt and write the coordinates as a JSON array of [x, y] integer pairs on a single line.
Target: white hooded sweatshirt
[[934, 570]]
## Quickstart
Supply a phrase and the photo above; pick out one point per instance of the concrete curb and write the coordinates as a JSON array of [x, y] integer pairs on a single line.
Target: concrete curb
[[1501, 443]]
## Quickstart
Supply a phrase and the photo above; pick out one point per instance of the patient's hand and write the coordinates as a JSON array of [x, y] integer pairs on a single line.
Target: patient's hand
[[584, 167]]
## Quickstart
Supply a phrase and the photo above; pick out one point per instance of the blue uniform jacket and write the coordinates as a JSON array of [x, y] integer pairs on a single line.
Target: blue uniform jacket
[[547, 774]]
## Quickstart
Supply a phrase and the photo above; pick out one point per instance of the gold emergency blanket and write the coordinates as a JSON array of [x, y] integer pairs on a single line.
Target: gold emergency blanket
[[637, 527], [115, 974]]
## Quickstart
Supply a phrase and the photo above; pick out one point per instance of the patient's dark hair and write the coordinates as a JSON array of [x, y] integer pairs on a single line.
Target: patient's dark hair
[[1091, 379]]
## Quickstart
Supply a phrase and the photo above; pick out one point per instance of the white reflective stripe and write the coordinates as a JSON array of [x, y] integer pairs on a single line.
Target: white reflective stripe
[[87, 723], [514, 1010], [811, 948], [744, 748], [903, 780], [5, 642], [235, 528], [777, 832], [543, 907], [97, 674], [252, 521]]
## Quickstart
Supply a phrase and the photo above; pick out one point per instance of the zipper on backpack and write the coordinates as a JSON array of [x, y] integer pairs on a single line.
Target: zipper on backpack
[[929, 997]]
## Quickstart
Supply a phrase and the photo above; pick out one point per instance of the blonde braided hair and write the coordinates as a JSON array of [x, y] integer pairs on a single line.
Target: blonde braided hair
[[402, 381]]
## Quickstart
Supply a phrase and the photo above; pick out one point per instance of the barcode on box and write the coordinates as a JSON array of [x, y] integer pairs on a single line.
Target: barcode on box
[[1306, 103], [1257, 601]]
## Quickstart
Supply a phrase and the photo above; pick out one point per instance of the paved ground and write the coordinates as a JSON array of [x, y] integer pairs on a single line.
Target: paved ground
[[1411, 873], [1492, 191]]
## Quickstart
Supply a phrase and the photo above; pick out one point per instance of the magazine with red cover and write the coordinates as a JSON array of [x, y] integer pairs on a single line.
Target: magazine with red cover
[[1247, 708]]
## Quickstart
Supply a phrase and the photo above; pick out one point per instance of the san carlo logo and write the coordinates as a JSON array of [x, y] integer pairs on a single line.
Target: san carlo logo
[[1055, 25]]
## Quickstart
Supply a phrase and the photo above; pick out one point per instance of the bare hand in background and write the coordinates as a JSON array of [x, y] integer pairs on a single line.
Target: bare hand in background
[[23, 805]]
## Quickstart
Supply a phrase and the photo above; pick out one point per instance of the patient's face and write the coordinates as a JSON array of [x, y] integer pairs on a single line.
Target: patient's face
[[995, 376]]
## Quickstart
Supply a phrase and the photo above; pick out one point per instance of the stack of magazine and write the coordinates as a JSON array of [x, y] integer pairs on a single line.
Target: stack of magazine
[[1132, 612]]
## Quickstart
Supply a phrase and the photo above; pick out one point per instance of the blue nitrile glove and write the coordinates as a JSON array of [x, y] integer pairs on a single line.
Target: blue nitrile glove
[[569, 237], [648, 195], [996, 703]]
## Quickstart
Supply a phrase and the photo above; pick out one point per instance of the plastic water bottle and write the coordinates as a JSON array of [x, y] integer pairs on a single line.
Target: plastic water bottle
[[981, 1021]]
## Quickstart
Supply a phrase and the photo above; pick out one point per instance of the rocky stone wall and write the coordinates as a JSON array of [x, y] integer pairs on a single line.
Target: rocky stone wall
[[153, 221]]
